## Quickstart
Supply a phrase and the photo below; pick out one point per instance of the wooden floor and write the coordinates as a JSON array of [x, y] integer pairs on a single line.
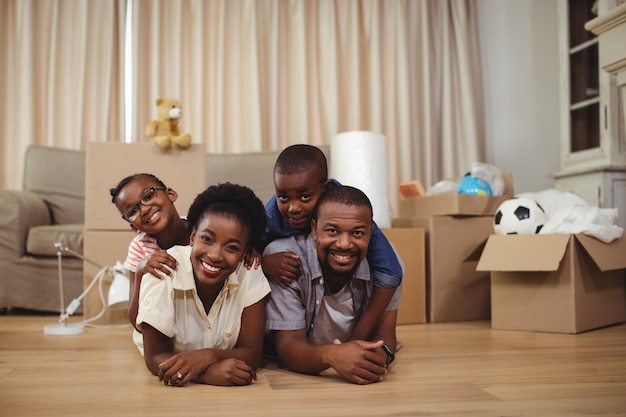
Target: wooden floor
[[453, 369]]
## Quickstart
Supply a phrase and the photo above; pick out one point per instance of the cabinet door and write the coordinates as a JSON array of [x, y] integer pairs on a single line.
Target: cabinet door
[[588, 186], [616, 195], [604, 189], [590, 136]]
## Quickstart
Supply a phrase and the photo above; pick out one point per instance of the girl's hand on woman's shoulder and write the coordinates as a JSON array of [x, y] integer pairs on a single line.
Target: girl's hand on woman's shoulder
[[252, 259], [159, 263]]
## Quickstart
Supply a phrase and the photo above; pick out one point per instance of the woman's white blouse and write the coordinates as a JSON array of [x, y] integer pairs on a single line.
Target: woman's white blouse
[[172, 306]]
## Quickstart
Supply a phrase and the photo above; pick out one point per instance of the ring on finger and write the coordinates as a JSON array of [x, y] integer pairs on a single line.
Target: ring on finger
[[179, 375]]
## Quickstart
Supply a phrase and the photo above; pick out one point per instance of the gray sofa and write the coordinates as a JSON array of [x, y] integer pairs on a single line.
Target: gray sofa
[[51, 208]]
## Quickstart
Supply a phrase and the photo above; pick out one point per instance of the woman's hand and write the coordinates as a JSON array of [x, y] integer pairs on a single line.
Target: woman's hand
[[185, 367], [229, 372]]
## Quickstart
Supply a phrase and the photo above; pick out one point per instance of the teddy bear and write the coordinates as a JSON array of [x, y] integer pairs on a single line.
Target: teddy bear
[[164, 131]]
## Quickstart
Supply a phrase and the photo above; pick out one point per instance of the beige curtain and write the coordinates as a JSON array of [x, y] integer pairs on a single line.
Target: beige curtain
[[60, 76], [255, 75], [262, 74]]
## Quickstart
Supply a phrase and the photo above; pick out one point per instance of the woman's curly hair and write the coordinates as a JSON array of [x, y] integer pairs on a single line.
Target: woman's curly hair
[[234, 200]]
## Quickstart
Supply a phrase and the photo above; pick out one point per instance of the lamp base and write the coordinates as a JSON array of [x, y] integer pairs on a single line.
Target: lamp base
[[64, 329]]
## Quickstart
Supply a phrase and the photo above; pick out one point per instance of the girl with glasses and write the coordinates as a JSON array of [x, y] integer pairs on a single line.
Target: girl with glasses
[[147, 204]]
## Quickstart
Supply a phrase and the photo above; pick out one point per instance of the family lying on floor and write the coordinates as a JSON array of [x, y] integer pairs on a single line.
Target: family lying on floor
[[308, 278]]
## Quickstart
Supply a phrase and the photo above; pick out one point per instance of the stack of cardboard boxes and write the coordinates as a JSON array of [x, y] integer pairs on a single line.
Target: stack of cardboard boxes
[[456, 226], [549, 283], [107, 235]]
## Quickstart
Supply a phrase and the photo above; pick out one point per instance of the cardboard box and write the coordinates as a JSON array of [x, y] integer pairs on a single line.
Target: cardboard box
[[409, 244], [455, 291], [108, 162], [107, 235], [104, 248], [454, 204], [555, 283]]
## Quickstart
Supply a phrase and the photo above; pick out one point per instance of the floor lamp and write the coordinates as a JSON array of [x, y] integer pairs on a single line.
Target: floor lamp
[[118, 293]]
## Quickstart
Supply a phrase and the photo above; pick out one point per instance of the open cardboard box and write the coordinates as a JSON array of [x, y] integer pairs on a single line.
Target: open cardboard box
[[455, 204], [555, 283], [455, 291]]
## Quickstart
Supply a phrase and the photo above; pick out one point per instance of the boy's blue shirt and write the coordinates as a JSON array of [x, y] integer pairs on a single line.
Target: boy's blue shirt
[[386, 267]]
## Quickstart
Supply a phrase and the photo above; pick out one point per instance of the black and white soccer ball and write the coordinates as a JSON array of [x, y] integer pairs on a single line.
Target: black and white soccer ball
[[519, 215]]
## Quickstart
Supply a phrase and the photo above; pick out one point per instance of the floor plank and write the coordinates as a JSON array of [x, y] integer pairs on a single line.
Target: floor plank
[[451, 369]]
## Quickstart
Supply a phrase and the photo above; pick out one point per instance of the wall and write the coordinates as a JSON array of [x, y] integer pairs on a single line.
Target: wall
[[519, 55]]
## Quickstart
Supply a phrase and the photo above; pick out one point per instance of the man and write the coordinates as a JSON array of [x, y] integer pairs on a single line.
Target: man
[[312, 318]]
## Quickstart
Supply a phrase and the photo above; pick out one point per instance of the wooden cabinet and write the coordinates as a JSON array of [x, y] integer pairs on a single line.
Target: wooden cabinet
[[603, 188], [593, 146]]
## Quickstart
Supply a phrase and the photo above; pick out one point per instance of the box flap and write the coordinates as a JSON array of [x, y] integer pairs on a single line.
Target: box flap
[[607, 256], [523, 252], [474, 255], [509, 190]]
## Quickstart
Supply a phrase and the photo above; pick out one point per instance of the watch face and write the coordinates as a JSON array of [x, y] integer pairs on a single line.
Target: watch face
[[390, 354]]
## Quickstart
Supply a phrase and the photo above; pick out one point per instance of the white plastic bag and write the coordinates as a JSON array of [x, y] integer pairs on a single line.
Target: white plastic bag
[[568, 213], [491, 174], [443, 187]]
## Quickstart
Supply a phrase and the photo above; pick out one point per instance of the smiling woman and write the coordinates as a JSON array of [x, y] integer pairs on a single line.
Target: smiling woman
[[218, 243], [205, 323]]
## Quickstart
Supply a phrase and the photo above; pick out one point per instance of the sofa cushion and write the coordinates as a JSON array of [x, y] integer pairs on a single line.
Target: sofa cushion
[[57, 176], [19, 211], [63, 209], [41, 239]]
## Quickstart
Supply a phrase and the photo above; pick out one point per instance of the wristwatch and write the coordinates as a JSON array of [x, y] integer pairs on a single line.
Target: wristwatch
[[390, 354]]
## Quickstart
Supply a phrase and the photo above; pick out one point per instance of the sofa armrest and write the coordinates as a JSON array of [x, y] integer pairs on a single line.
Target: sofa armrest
[[19, 211]]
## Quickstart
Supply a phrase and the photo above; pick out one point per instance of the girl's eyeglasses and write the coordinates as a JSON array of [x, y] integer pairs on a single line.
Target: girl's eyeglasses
[[131, 214]]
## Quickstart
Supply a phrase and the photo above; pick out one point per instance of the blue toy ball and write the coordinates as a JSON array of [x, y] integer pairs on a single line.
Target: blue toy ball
[[474, 186]]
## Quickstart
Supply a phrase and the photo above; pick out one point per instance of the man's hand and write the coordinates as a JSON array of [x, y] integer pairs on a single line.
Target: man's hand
[[159, 263], [282, 266], [358, 361]]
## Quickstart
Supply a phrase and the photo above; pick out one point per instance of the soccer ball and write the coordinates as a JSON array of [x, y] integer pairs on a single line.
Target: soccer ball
[[519, 215]]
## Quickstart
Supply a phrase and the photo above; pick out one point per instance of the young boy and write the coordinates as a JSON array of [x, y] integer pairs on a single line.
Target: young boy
[[300, 177], [148, 206]]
